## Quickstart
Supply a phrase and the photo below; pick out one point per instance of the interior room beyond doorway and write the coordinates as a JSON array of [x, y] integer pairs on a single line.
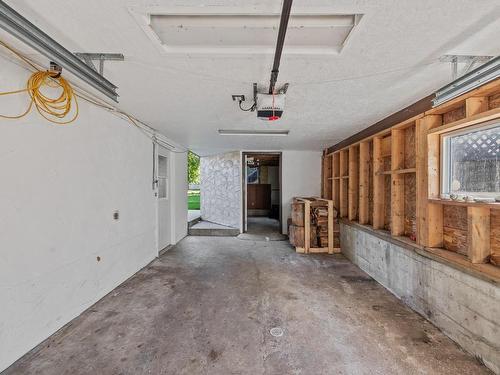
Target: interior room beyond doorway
[[263, 195]]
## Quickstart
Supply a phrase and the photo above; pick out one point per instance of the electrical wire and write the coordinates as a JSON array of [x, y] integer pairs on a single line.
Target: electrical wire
[[52, 109], [57, 105], [246, 110]]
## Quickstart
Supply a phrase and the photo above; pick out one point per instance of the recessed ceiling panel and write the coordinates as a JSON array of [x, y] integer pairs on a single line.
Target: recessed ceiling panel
[[251, 33]]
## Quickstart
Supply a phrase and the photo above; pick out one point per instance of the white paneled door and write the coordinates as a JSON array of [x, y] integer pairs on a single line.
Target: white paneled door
[[164, 198]]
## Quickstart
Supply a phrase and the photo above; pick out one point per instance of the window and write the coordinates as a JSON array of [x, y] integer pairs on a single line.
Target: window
[[253, 175], [162, 177], [471, 161]]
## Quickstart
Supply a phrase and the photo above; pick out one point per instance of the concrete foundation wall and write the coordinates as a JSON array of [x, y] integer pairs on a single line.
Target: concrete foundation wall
[[465, 308], [220, 188], [61, 249]]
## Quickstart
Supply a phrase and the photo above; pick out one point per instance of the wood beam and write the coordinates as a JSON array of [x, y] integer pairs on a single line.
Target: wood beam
[[412, 110]]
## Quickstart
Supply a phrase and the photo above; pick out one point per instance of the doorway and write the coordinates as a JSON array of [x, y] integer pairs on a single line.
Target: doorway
[[262, 194]]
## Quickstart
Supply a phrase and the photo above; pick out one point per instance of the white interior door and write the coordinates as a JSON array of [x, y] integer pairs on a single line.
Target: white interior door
[[164, 198]]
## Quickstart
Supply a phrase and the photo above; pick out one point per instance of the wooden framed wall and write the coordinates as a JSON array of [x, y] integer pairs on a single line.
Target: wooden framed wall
[[391, 181]]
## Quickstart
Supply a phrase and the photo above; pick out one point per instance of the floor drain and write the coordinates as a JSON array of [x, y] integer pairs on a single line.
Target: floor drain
[[276, 332]]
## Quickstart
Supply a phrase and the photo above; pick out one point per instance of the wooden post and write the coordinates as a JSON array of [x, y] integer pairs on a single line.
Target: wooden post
[[478, 239], [336, 180], [307, 226], [378, 184], [397, 183], [343, 197], [429, 215], [364, 181], [326, 175], [353, 183], [323, 175], [330, 227]]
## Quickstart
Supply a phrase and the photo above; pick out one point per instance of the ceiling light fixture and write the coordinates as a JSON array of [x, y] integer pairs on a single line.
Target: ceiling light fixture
[[268, 133]]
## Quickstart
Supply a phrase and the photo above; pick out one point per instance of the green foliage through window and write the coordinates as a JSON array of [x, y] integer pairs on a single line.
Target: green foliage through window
[[193, 168]]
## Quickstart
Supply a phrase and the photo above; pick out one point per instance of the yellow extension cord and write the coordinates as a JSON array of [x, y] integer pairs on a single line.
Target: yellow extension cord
[[52, 109]]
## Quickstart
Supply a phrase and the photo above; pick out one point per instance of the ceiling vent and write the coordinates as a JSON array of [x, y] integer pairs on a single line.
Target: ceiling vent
[[246, 33]]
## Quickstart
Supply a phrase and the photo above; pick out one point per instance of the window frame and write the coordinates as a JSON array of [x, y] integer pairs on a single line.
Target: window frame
[[445, 162], [161, 176]]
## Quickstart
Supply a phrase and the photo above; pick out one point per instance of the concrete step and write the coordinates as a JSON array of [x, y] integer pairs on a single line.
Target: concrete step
[[207, 228]]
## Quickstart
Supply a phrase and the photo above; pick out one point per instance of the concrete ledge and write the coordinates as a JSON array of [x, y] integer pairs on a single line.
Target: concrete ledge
[[486, 272], [458, 300]]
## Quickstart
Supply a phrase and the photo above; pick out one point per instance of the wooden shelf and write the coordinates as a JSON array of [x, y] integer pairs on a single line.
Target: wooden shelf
[[383, 173], [403, 171], [398, 171], [344, 177], [465, 204], [336, 178]]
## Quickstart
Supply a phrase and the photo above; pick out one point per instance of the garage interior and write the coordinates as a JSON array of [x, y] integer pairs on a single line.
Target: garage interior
[[349, 187]]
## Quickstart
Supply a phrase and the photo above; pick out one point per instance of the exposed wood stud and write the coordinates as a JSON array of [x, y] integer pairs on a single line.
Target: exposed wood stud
[[475, 105], [353, 183], [391, 178], [364, 181], [428, 215], [378, 184], [343, 196], [336, 181], [478, 222], [397, 183]]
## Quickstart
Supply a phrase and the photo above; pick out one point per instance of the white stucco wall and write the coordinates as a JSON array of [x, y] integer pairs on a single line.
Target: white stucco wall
[[60, 188], [179, 194], [301, 173], [220, 188]]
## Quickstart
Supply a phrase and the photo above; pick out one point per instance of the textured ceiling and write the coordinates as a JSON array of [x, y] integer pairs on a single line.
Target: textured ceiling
[[390, 61]]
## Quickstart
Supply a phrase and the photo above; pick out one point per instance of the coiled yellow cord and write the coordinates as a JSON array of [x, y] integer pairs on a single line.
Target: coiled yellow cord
[[49, 108], [52, 109]]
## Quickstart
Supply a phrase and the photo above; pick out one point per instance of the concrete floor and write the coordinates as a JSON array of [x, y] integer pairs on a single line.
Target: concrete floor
[[207, 305], [262, 229]]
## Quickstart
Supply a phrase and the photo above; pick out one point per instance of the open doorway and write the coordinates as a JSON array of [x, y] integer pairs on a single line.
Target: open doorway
[[262, 194], [193, 197]]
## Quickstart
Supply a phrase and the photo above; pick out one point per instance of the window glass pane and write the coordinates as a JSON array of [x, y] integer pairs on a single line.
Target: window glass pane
[[162, 187], [252, 175], [474, 161], [162, 166]]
